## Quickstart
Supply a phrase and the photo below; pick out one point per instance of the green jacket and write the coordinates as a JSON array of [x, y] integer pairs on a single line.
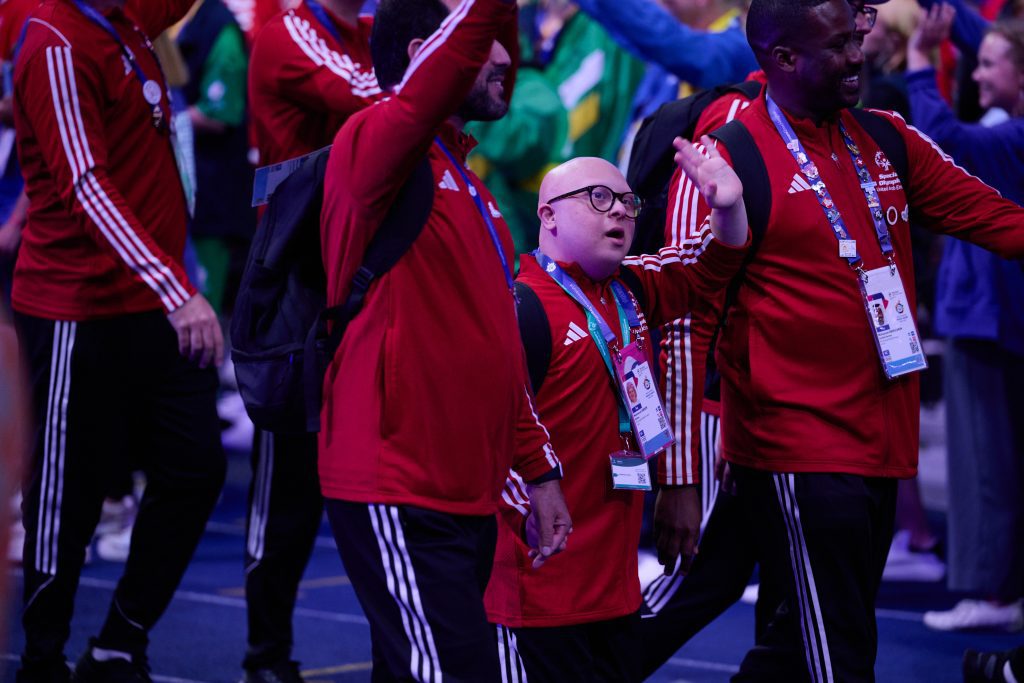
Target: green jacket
[[578, 104]]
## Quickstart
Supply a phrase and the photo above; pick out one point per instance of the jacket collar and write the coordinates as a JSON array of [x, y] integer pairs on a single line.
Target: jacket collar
[[459, 143], [528, 264]]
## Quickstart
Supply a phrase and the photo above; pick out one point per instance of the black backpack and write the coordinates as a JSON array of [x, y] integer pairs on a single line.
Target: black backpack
[[281, 339], [651, 164]]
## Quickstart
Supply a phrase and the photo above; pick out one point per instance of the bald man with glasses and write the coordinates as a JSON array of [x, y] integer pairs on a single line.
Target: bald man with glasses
[[578, 619]]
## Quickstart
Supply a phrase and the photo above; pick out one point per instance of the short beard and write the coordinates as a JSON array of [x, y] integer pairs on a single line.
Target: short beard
[[480, 106]]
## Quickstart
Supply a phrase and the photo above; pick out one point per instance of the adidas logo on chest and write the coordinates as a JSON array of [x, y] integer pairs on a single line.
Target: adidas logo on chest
[[448, 182], [574, 334]]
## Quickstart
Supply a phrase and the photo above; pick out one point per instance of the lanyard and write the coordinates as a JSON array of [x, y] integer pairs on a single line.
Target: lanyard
[[810, 172], [602, 334], [486, 216], [151, 90], [321, 15]]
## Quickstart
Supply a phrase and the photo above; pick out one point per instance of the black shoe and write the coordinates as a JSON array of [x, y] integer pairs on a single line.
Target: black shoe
[[55, 671], [282, 672], [985, 667], [88, 670]]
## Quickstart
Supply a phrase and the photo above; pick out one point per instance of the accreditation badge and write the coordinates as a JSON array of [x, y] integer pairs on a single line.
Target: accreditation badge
[[642, 400], [629, 471], [891, 322]]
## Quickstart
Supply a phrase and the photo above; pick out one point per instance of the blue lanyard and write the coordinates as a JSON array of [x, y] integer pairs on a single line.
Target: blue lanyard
[[810, 172], [486, 216], [321, 15], [151, 90], [602, 334]]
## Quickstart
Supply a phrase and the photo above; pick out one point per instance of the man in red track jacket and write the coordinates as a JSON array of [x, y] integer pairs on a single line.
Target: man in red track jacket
[[577, 620], [426, 405], [310, 70], [814, 431], [117, 338]]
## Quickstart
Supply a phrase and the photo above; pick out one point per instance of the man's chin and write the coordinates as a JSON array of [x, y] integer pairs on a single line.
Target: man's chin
[[482, 108], [492, 112]]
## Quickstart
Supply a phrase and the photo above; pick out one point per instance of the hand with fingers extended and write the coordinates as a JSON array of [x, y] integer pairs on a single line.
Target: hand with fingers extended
[[677, 517], [714, 178], [932, 30], [198, 329], [549, 525], [718, 183]]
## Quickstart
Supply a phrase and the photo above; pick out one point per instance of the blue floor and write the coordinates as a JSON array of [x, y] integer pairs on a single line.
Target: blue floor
[[202, 636]]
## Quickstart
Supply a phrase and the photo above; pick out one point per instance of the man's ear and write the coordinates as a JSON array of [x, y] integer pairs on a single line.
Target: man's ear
[[547, 217], [414, 48], [784, 58]]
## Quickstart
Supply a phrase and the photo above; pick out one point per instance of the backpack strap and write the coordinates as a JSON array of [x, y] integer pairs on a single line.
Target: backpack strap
[[401, 226], [757, 198], [535, 331], [888, 137], [752, 172]]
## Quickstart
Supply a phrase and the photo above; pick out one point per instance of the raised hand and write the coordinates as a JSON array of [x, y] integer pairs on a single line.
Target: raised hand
[[933, 29], [714, 178]]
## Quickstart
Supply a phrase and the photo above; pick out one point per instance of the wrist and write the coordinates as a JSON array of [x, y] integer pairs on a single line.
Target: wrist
[[917, 59], [554, 474], [729, 224]]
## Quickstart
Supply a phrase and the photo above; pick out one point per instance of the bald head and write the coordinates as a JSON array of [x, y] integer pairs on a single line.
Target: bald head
[[580, 172], [572, 229]]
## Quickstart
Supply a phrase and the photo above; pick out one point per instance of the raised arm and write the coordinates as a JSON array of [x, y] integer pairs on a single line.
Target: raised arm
[[968, 26], [155, 17], [385, 142], [702, 58], [719, 186], [946, 198]]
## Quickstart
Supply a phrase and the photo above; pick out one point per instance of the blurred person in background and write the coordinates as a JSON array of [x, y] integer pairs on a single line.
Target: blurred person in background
[[912, 556], [980, 309], [215, 55]]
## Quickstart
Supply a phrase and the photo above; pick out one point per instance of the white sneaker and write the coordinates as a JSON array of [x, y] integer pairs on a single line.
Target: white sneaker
[[117, 515], [904, 564], [114, 547], [977, 614], [648, 568], [750, 594]]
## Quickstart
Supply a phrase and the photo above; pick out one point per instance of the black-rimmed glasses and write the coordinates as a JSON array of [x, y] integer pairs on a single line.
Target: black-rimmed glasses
[[602, 198]]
